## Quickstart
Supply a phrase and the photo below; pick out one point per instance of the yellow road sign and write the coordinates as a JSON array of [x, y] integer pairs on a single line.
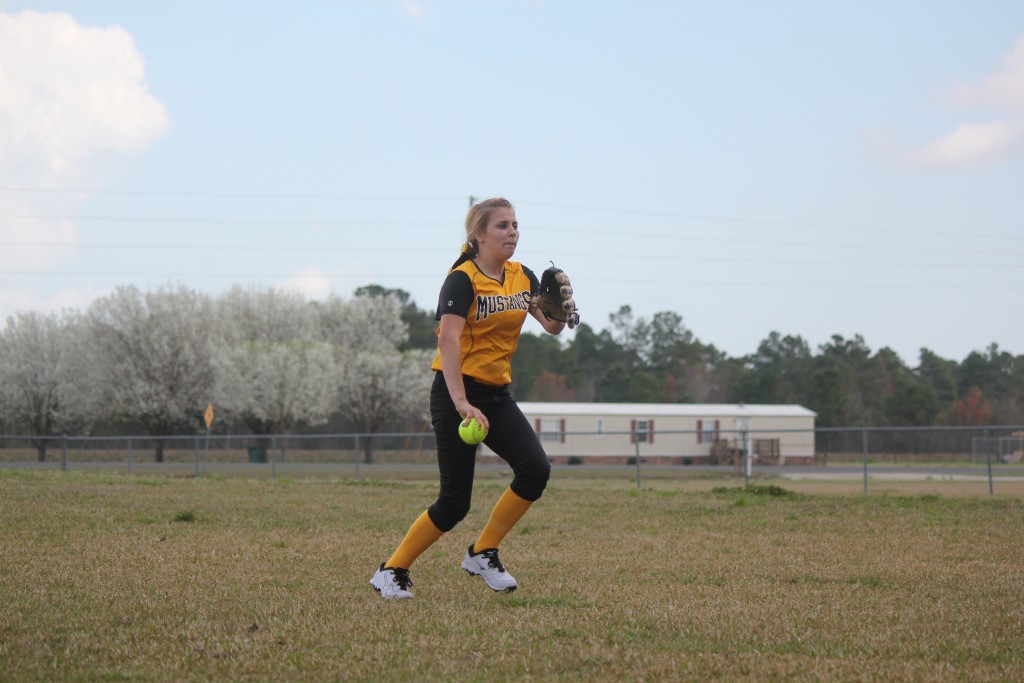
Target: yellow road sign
[[208, 415]]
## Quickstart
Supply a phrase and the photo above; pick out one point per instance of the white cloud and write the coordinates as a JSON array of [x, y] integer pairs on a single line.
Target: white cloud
[[1003, 90], [69, 93], [414, 9], [28, 242], [975, 144], [316, 284], [312, 283], [32, 298], [73, 99], [995, 141]]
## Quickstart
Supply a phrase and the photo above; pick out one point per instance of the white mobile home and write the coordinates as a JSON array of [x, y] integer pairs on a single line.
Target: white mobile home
[[673, 433]]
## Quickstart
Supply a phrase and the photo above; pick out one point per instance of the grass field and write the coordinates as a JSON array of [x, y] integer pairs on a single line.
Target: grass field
[[106, 577]]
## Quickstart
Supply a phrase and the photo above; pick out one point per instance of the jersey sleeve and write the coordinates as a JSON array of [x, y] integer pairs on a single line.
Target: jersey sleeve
[[534, 282], [456, 295]]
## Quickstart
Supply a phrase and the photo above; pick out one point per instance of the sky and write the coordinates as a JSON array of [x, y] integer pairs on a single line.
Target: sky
[[755, 166]]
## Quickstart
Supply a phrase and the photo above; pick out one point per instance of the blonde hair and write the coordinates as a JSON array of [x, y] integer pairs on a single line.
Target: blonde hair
[[476, 223]]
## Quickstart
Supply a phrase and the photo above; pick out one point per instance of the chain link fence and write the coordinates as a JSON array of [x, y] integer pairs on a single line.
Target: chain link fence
[[956, 460]]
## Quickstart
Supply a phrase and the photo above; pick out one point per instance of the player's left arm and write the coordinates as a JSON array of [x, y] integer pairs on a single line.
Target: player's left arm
[[550, 326]]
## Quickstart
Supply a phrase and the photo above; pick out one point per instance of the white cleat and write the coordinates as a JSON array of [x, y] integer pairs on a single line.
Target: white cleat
[[392, 583], [487, 564]]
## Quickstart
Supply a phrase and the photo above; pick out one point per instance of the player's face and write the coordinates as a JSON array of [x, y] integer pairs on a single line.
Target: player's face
[[502, 233]]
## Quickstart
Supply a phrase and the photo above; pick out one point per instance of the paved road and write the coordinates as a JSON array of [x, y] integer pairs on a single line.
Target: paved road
[[896, 473]]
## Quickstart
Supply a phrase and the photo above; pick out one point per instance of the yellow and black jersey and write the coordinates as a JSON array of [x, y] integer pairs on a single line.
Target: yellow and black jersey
[[494, 313]]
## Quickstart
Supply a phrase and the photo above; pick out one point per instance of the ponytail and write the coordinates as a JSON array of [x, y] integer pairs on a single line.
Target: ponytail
[[476, 222], [468, 252]]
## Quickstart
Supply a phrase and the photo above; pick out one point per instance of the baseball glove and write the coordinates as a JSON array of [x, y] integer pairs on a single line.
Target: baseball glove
[[555, 297]]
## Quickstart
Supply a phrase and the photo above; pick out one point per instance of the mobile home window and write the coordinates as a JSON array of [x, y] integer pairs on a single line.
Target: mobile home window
[[643, 431], [707, 431], [550, 429]]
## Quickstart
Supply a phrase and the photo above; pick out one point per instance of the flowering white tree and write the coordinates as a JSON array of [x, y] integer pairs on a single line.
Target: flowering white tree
[[379, 385], [364, 323], [382, 387], [272, 371], [44, 376], [155, 350]]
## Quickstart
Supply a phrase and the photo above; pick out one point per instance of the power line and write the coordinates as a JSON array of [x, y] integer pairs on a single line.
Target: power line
[[760, 284], [783, 243], [587, 231], [223, 221], [973, 233], [777, 222], [675, 235], [228, 195], [214, 247], [576, 254]]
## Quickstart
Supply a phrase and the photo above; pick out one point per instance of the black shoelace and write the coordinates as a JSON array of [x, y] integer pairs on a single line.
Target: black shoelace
[[402, 578], [492, 559]]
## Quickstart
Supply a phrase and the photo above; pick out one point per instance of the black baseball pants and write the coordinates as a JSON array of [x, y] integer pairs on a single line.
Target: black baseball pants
[[511, 436]]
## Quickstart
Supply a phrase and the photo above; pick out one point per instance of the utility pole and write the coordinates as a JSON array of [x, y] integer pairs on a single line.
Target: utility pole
[[472, 201]]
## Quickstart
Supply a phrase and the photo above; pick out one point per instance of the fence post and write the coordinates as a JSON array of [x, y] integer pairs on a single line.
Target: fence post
[[195, 445], [864, 441], [748, 458], [637, 458], [273, 457], [356, 437], [129, 455], [64, 454], [988, 460]]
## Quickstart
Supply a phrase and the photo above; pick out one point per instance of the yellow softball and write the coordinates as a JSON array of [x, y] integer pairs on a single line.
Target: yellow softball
[[472, 432]]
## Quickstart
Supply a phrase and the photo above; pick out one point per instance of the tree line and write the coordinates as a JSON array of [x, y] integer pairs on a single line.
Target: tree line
[[847, 384], [273, 362], [270, 362]]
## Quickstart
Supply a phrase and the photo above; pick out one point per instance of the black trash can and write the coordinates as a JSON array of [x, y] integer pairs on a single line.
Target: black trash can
[[255, 454]]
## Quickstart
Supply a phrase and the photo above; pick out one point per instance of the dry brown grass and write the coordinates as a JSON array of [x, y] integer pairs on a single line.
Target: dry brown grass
[[109, 577], [175, 453]]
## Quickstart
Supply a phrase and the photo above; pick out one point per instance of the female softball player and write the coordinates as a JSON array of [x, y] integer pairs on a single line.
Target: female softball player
[[482, 306]]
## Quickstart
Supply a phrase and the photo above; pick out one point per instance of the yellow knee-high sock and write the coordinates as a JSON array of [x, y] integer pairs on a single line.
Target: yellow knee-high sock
[[508, 510], [421, 535]]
